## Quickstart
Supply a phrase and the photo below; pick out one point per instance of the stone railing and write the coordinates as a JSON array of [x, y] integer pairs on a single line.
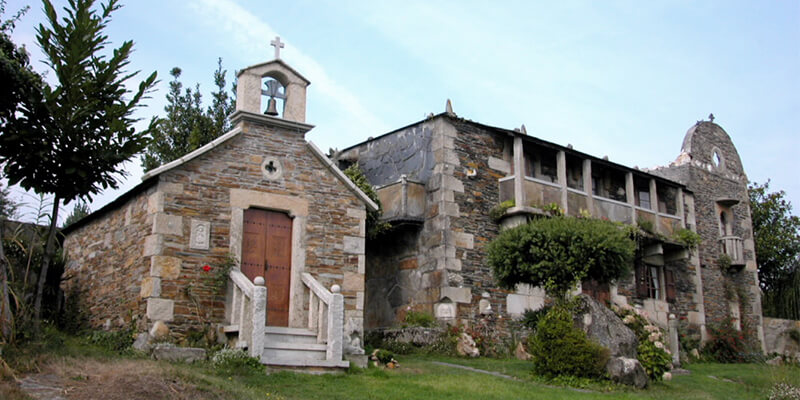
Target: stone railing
[[246, 312], [326, 315], [733, 247]]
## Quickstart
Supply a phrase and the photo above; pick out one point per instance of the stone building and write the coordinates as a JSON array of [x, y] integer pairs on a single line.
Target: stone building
[[261, 195], [438, 180], [304, 282]]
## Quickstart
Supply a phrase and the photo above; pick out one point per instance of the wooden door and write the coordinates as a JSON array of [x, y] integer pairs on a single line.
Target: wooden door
[[267, 252]]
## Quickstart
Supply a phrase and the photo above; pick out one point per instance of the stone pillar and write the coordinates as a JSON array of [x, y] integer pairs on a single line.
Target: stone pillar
[[674, 345], [561, 173], [679, 205], [335, 325], [587, 184], [630, 195], [654, 204], [259, 306], [519, 173]]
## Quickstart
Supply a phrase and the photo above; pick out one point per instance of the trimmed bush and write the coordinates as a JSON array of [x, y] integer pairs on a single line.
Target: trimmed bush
[[558, 252], [558, 348]]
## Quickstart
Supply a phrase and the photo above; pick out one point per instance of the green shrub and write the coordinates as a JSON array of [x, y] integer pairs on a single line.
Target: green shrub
[[553, 209], [375, 227], [687, 237], [558, 348], [724, 262], [558, 252], [384, 356], [530, 318], [235, 362], [419, 318], [497, 212], [116, 341], [726, 343], [646, 225]]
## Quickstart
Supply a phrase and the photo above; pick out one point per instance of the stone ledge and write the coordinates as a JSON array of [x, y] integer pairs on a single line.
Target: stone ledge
[[175, 354]]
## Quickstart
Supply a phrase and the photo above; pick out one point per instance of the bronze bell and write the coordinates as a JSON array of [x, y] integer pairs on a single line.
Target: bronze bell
[[272, 108]]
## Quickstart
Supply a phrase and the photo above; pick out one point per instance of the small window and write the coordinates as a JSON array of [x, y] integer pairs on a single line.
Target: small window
[[649, 282]]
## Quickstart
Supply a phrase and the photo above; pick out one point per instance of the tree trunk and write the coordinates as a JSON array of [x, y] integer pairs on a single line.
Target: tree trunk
[[48, 255], [6, 318]]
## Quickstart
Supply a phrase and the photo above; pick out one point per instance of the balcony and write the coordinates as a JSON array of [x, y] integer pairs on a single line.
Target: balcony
[[403, 201], [733, 246]]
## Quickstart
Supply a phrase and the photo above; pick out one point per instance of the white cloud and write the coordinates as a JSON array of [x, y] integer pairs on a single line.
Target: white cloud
[[248, 32]]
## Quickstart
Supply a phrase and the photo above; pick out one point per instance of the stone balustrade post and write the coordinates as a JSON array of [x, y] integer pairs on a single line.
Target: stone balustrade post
[[674, 345], [335, 325], [259, 306]]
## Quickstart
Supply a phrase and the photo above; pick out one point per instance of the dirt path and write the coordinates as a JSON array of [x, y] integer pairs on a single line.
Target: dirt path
[[73, 379]]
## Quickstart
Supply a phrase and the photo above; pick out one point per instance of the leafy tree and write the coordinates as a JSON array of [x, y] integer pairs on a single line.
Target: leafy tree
[[558, 252], [80, 210], [77, 148], [777, 238], [187, 126]]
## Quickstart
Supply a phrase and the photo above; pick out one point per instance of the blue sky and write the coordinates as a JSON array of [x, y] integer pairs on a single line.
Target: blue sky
[[624, 79]]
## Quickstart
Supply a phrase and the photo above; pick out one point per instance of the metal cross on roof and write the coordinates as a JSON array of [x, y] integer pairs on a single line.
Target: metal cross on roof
[[278, 45]]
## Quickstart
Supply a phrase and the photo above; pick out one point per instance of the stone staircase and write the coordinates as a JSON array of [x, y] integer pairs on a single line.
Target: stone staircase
[[296, 348], [315, 349]]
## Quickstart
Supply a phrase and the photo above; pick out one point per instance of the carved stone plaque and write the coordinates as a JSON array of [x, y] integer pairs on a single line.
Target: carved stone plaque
[[271, 168], [201, 232]]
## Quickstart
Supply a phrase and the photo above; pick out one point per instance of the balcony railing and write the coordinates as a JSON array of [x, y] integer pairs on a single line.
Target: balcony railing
[[734, 248]]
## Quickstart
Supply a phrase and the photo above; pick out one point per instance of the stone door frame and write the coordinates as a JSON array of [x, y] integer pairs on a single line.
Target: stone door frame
[[297, 209]]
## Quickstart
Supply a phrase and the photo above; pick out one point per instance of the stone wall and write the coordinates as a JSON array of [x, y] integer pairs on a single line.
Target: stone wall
[[104, 264], [471, 228], [778, 337], [165, 278]]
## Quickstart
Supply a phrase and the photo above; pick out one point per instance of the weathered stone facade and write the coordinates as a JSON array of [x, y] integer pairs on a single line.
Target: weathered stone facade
[[153, 255], [710, 167], [437, 263]]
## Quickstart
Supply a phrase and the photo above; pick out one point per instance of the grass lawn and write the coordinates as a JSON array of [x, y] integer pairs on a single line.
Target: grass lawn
[[86, 371]]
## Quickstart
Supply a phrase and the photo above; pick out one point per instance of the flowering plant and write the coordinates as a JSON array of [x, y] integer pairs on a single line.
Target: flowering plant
[[655, 358]]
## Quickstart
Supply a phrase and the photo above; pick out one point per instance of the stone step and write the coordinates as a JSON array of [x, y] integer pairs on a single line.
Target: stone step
[[289, 335], [293, 351], [310, 366]]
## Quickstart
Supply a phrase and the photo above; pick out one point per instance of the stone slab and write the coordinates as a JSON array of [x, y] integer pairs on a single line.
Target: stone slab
[[151, 287], [353, 245], [178, 354], [165, 267], [457, 295], [167, 224], [160, 309]]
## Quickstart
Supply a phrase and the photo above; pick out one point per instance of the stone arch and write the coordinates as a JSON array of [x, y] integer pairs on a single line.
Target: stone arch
[[248, 89]]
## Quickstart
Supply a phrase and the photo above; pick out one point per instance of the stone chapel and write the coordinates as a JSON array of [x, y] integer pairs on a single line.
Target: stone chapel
[[260, 195]]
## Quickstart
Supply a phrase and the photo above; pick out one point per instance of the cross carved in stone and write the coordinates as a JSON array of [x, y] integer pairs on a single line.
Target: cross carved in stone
[[278, 45]]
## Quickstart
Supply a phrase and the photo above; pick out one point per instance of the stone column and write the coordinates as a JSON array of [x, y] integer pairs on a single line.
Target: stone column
[[561, 173], [654, 204], [679, 205], [674, 345], [335, 325], [259, 306], [630, 195], [519, 173], [587, 184]]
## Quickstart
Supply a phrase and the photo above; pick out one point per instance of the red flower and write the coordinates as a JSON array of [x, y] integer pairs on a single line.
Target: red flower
[[206, 268]]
